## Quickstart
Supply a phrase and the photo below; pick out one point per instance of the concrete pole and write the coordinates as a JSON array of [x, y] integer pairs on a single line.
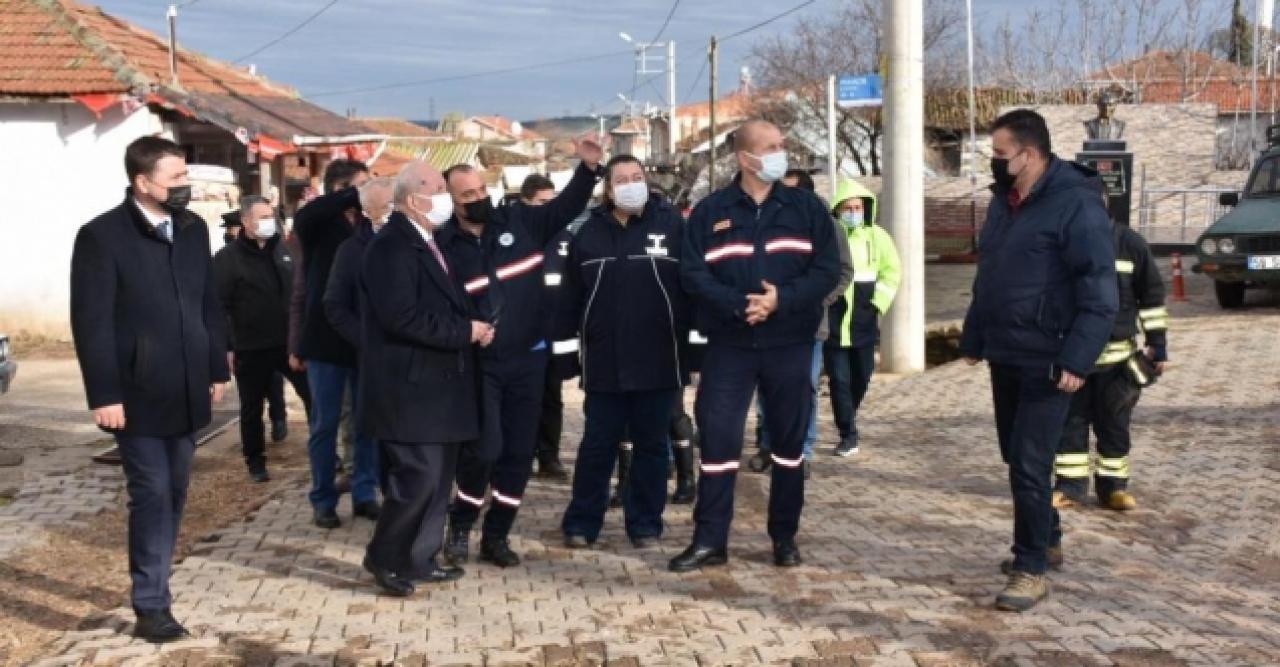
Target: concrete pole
[[833, 157], [671, 102], [902, 349]]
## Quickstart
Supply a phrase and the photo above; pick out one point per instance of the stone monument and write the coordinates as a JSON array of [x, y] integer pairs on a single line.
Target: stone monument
[[1105, 152]]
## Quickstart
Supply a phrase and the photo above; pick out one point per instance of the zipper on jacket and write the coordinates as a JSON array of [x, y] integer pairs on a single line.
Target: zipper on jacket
[[671, 319], [582, 328]]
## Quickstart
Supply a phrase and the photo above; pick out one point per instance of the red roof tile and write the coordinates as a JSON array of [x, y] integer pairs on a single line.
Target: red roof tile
[[39, 55]]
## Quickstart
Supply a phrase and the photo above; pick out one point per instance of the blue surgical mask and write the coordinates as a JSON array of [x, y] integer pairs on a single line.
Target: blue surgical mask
[[851, 219], [773, 166]]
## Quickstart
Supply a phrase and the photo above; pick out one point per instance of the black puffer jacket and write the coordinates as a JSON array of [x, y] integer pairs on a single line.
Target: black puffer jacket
[[254, 287]]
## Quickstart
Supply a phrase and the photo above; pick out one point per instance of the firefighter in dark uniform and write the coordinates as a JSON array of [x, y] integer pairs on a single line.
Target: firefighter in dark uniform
[[622, 291], [759, 259], [497, 254], [1111, 391]]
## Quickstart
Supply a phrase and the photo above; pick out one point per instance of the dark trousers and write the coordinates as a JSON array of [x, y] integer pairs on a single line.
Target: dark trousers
[[849, 372], [157, 471], [551, 422], [730, 376], [1030, 415], [1106, 402], [644, 419], [275, 399], [502, 460], [255, 370], [417, 479]]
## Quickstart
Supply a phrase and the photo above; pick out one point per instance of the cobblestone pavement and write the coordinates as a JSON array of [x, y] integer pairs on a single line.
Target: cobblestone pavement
[[901, 546]]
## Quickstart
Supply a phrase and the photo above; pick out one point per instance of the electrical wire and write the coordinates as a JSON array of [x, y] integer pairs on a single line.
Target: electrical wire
[[305, 22], [767, 21], [665, 23]]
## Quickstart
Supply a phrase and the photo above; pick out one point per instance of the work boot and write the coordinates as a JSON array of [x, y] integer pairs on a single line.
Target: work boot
[[1120, 501], [624, 475], [686, 484], [497, 550], [1055, 556], [1023, 591], [1062, 501], [457, 544]]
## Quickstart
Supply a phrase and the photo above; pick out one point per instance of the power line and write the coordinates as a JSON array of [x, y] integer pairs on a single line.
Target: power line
[[287, 33], [188, 3], [698, 79], [767, 21], [667, 22]]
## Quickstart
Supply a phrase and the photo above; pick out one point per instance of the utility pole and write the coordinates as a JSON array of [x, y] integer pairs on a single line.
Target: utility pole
[[714, 55], [903, 347], [172, 15], [833, 157], [671, 102]]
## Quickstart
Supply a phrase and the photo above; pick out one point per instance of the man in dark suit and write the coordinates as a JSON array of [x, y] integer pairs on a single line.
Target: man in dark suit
[[418, 391], [150, 338]]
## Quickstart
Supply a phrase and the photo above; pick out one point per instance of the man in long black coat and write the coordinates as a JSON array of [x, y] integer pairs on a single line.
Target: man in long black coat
[[150, 338], [418, 393]]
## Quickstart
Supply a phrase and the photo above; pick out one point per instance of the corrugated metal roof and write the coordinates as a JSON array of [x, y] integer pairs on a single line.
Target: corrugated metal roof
[[445, 155]]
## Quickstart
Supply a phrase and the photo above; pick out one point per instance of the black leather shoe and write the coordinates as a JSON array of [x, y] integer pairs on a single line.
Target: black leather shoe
[[327, 519], [644, 541], [279, 430], [391, 583], [440, 575], [457, 545], [786, 554], [258, 472], [342, 484], [498, 552], [697, 557], [368, 509], [159, 627]]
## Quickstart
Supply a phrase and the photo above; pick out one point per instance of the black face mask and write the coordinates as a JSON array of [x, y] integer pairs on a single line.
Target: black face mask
[[178, 198], [1000, 172], [479, 212], [228, 238]]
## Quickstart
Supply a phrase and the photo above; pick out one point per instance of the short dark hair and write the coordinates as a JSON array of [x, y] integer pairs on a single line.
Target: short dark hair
[[533, 184], [621, 158], [460, 168], [339, 173], [803, 180], [144, 153], [1028, 129]]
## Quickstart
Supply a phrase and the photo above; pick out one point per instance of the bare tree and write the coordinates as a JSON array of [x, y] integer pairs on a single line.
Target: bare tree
[[792, 69]]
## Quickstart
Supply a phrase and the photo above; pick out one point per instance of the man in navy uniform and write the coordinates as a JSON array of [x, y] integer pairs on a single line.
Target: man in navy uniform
[[498, 256], [759, 260], [150, 338]]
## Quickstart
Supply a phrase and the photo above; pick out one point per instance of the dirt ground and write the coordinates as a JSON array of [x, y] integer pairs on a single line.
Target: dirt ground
[[71, 580]]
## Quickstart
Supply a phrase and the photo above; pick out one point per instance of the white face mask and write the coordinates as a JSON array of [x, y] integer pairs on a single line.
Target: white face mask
[[773, 166], [441, 209], [631, 196], [267, 228], [851, 218]]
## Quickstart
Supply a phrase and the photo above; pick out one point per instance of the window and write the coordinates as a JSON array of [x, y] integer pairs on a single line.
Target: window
[[1266, 178]]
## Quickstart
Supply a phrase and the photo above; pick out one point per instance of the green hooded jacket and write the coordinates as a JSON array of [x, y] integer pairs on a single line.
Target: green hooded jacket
[[877, 272]]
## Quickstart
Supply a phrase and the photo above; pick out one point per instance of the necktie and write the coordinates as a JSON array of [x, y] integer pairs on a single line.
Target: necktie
[[166, 230], [435, 250]]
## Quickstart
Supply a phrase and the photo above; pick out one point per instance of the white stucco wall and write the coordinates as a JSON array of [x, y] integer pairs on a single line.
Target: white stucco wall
[[61, 167]]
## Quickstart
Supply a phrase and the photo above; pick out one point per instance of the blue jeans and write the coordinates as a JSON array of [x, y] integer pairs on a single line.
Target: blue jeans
[[645, 416], [849, 371], [811, 436], [328, 381]]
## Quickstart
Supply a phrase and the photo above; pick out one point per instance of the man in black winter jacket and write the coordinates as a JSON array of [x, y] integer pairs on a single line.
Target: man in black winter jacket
[[342, 298], [498, 256], [321, 226], [1044, 302], [255, 278], [151, 343]]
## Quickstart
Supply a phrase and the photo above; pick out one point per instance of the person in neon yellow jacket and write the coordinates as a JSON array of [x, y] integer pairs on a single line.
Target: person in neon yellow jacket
[[855, 318]]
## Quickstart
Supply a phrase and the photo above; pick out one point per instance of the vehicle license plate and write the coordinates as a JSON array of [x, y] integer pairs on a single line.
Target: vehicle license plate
[[1264, 262]]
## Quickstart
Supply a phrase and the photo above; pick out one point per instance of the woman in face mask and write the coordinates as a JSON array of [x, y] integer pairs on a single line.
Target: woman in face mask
[[622, 298]]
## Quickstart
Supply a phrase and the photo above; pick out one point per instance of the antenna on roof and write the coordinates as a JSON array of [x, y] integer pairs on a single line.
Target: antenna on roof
[[173, 45]]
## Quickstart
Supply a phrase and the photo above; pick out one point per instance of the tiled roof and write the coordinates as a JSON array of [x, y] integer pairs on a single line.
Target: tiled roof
[[1170, 66], [396, 127], [1173, 77], [60, 48], [507, 126], [494, 156], [735, 105]]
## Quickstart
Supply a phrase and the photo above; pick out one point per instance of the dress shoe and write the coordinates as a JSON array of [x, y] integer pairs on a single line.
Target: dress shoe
[[368, 509], [786, 554], [158, 627], [1055, 557], [644, 541], [258, 472], [440, 575], [697, 557], [327, 519], [279, 430], [391, 583], [552, 469], [576, 542], [457, 545], [498, 552]]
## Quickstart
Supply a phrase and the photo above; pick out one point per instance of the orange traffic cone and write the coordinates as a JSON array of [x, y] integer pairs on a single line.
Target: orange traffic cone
[[1179, 285]]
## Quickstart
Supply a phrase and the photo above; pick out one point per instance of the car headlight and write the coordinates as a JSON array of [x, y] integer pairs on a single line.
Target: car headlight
[[1227, 246], [1209, 246]]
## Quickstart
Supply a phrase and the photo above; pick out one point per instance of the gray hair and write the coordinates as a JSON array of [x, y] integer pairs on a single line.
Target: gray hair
[[247, 202], [409, 182], [380, 183]]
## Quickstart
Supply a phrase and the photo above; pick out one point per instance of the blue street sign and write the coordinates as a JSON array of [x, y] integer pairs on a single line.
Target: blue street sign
[[859, 91]]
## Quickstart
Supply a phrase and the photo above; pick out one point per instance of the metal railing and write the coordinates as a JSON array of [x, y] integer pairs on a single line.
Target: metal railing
[[1178, 215]]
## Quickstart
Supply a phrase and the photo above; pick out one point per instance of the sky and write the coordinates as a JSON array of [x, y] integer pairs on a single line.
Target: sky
[[360, 44]]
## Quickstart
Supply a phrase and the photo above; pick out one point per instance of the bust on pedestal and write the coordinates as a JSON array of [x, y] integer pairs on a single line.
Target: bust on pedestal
[[1104, 152]]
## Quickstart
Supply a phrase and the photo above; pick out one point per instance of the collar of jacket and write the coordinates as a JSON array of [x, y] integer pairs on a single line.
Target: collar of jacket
[[401, 224], [777, 191], [452, 229], [251, 245], [179, 220], [655, 204], [364, 228], [1059, 175]]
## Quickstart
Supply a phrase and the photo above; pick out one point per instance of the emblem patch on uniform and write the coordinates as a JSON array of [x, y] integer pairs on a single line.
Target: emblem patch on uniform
[[723, 225], [564, 249], [657, 247], [507, 239]]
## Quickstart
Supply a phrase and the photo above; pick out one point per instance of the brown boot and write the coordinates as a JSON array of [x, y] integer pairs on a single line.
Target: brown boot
[[1023, 592]]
